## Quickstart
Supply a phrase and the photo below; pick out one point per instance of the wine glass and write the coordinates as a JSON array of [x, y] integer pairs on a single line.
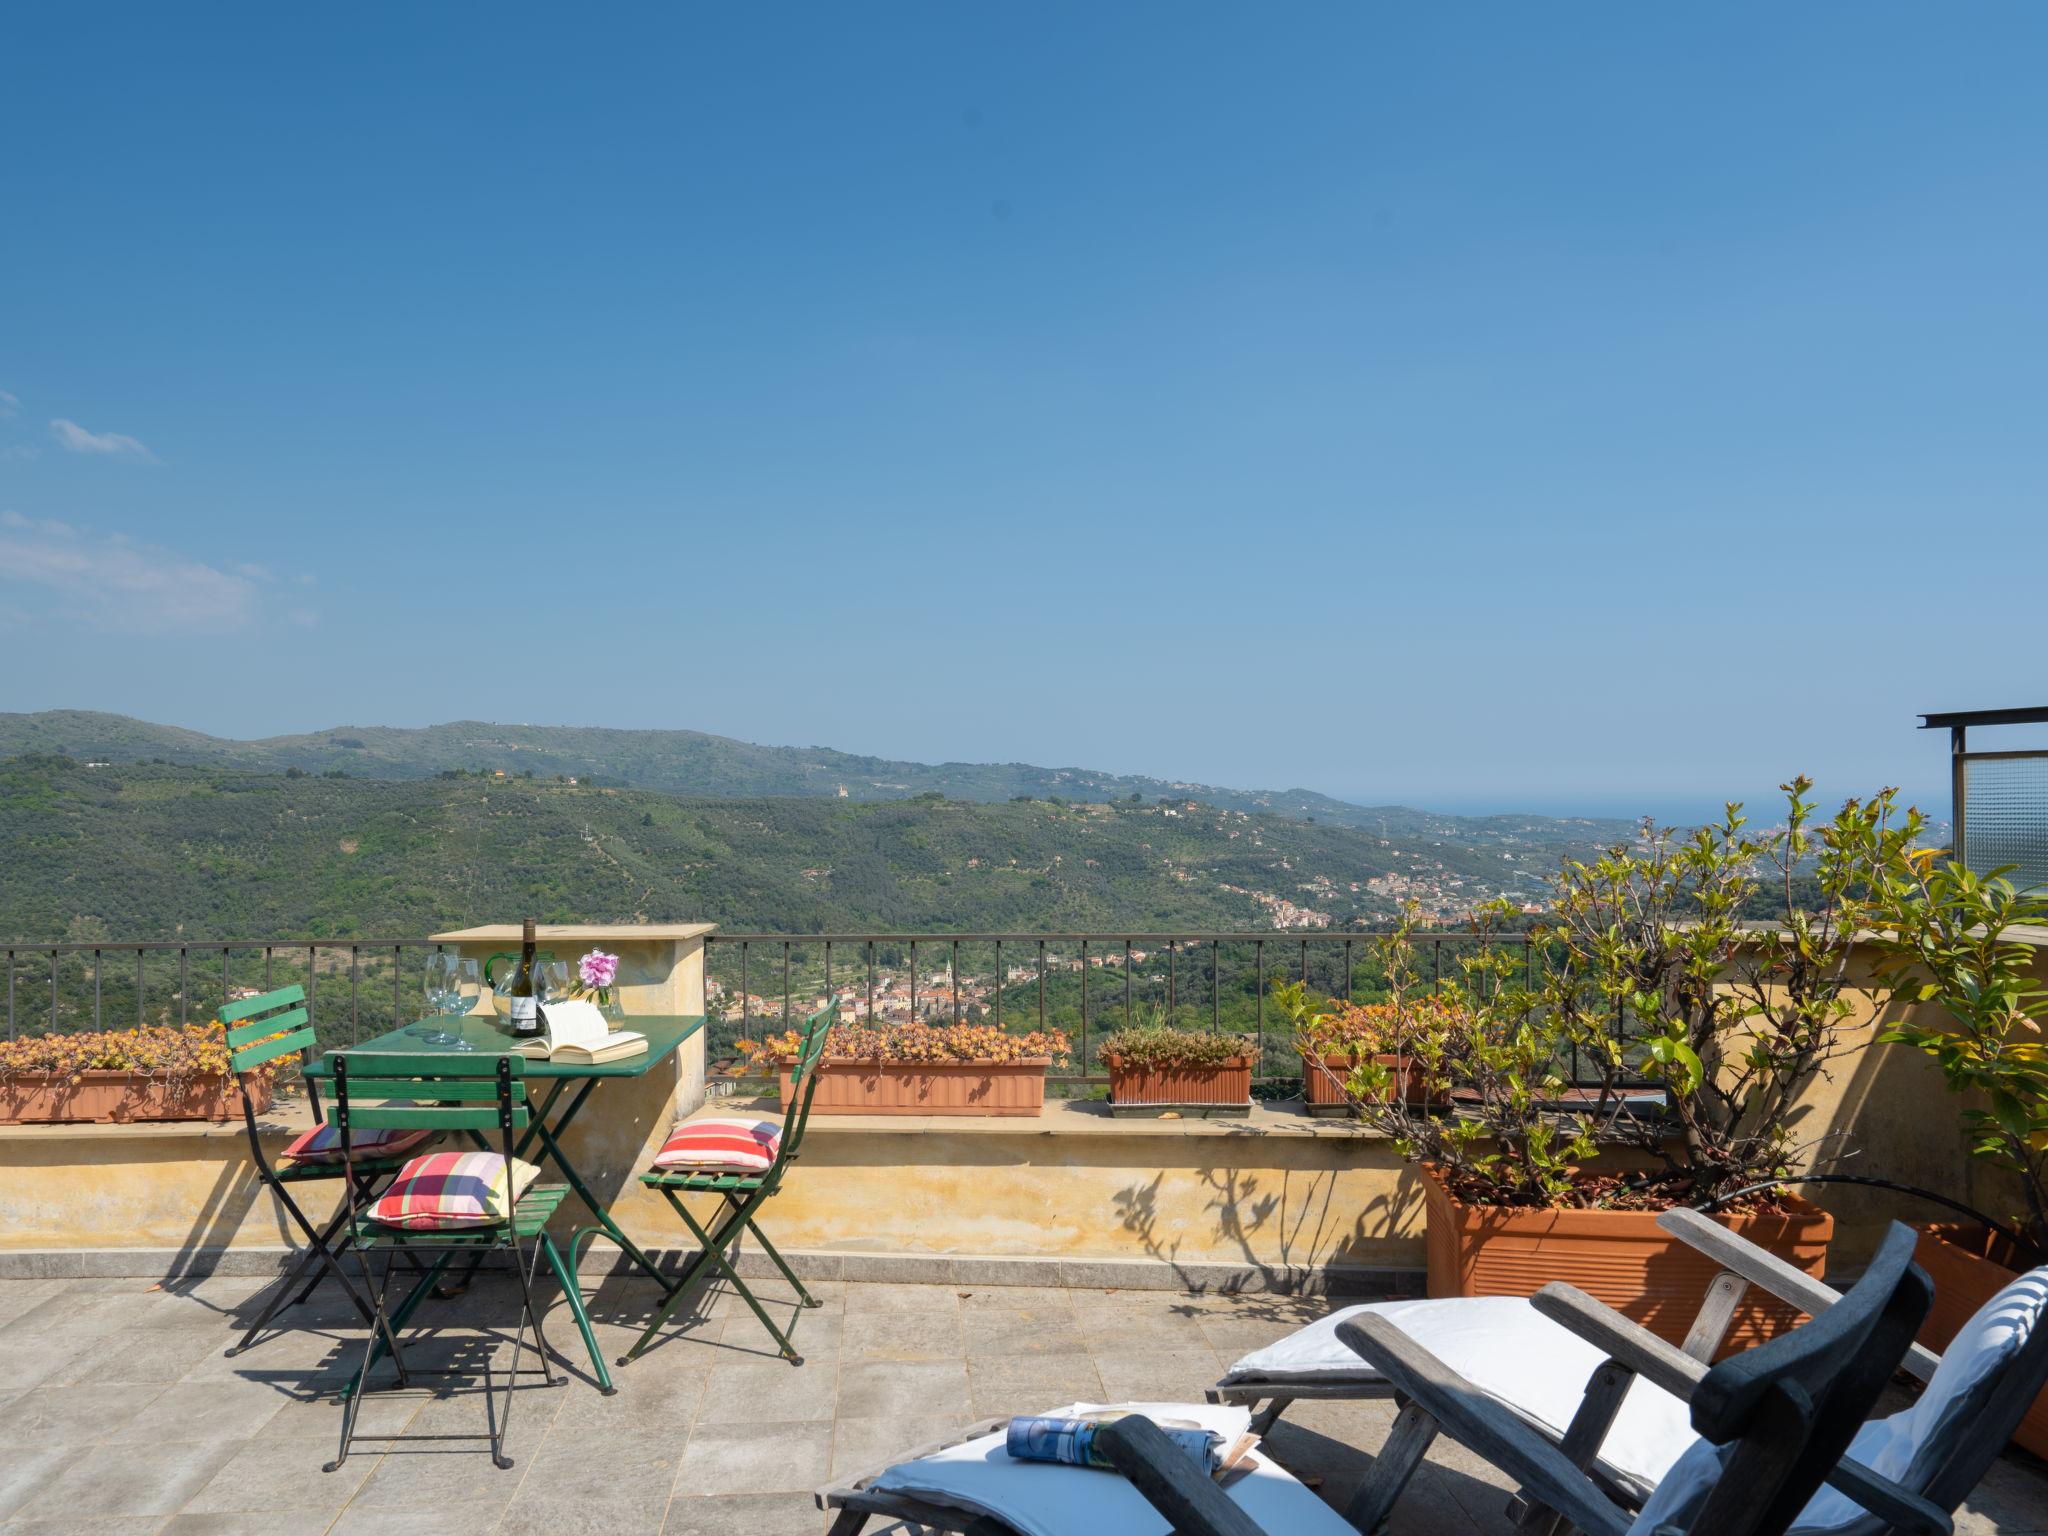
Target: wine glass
[[451, 986], [559, 978]]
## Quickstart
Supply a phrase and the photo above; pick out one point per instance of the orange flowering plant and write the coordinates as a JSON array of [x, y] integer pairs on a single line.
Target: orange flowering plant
[[916, 1042], [1420, 1037], [173, 1054]]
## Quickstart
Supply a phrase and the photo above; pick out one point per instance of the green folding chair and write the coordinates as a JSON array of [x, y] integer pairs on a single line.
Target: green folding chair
[[449, 1091], [740, 1196], [262, 1030]]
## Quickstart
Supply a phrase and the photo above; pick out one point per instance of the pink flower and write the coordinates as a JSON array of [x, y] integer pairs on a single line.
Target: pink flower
[[598, 969]]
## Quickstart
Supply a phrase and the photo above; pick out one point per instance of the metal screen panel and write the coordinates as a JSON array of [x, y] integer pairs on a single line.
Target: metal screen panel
[[2005, 816]]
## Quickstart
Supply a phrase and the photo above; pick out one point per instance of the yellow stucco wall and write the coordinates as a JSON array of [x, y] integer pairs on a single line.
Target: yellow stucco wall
[[1287, 1198]]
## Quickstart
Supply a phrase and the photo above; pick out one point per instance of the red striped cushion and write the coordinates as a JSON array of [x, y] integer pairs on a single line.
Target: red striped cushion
[[453, 1189], [322, 1144], [742, 1145]]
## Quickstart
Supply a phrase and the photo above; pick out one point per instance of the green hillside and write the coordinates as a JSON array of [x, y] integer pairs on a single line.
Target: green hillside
[[160, 851], [693, 763]]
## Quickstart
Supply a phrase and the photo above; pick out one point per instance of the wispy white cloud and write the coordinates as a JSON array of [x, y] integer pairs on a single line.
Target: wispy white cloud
[[114, 582], [117, 445], [10, 405], [20, 451]]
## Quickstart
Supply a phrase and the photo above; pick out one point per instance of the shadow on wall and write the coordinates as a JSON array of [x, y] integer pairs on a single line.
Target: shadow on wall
[[1889, 1115], [1287, 1227], [227, 1205]]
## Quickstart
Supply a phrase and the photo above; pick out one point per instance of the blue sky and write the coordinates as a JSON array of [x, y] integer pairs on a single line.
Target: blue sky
[[1601, 406]]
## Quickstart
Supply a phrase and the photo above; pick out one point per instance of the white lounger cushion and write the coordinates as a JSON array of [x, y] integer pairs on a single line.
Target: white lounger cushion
[[1510, 1351], [1911, 1445], [1048, 1499]]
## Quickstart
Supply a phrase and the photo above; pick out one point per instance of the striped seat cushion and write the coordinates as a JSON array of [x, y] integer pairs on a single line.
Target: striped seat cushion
[[453, 1189], [322, 1144], [745, 1146]]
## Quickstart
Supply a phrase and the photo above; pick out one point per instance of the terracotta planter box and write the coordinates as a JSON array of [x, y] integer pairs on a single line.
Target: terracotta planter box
[[1968, 1265], [31, 1098], [1194, 1091], [1323, 1097], [1621, 1257], [847, 1086]]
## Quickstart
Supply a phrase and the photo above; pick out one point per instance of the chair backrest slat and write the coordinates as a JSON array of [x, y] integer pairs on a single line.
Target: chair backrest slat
[[248, 1057], [442, 1065], [266, 1002], [437, 1090], [362, 1085], [433, 1117], [276, 1023]]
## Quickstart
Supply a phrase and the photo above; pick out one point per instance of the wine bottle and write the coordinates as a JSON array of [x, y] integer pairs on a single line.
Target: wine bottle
[[522, 992]]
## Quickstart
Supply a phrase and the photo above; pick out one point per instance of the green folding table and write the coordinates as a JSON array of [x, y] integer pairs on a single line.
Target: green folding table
[[551, 1117]]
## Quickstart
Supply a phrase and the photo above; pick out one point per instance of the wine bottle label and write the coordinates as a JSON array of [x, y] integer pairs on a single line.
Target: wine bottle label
[[525, 1015]]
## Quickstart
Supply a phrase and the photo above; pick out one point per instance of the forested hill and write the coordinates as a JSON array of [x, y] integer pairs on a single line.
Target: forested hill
[[156, 851], [693, 763]]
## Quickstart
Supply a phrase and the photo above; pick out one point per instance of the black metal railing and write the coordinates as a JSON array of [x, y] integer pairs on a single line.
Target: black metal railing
[[1088, 984], [102, 984]]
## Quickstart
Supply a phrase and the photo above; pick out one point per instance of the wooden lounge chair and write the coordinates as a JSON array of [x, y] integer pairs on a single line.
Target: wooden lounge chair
[[1772, 1423], [1547, 1358]]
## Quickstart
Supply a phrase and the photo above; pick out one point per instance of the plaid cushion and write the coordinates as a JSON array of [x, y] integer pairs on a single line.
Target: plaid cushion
[[453, 1189], [742, 1145], [322, 1144]]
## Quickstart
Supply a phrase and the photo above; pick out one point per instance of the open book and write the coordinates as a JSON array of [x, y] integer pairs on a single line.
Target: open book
[[574, 1030]]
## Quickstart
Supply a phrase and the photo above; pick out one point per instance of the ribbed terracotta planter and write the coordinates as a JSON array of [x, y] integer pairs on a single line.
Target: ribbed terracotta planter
[[1224, 1089], [1621, 1257], [847, 1086], [1969, 1265], [51, 1098], [1323, 1097]]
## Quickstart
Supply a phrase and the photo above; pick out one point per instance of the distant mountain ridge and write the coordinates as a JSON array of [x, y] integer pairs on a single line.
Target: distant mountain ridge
[[696, 763]]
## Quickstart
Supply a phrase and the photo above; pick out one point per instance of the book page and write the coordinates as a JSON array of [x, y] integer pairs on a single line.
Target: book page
[[576, 1022]]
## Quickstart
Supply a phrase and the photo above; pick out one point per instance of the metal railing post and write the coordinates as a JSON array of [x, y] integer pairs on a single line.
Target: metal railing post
[[1084, 1007], [1127, 983], [1259, 959]]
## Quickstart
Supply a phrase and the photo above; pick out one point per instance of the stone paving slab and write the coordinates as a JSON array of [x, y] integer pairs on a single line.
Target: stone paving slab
[[119, 1412]]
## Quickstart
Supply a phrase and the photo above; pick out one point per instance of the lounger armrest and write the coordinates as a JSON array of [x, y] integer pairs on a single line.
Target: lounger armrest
[[1171, 1483], [1482, 1424], [1770, 1273], [1904, 1509], [833, 1492], [1628, 1343]]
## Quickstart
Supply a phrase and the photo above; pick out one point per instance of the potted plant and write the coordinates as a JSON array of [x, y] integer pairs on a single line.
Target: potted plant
[[1157, 1067], [156, 1072], [920, 1069], [1947, 935], [1698, 1027], [1334, 1043]]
